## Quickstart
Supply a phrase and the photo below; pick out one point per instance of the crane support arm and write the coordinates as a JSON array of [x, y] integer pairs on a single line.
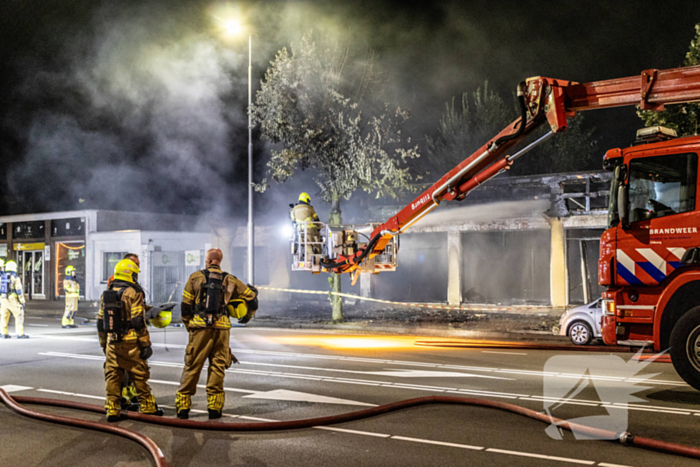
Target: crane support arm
[[542, 100]]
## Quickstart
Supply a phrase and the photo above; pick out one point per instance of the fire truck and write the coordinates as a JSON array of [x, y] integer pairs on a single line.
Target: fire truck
[[650, 253]]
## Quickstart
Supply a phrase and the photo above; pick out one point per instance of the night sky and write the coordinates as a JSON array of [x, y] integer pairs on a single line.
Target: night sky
[[138, 105]]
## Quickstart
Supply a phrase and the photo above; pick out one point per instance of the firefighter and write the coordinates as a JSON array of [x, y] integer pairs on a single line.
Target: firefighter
[[303, 214], [12, 302], [205, 315], [124, 339], [72, 291]]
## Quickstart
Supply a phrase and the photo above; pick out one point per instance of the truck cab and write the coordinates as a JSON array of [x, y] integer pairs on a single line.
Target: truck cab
[[647, 253]]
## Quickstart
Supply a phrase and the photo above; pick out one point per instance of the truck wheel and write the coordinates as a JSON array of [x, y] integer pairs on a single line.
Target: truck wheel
[[580, 333], [685, 347]]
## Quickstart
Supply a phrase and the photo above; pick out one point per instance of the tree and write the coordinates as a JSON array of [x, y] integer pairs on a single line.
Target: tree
[[464, 129], [680, 117], [303, 105]]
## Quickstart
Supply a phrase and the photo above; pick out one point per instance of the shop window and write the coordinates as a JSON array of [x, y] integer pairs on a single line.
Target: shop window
[[70, 254], [109, 260], [73, 227], [23, 230], [3, 231]]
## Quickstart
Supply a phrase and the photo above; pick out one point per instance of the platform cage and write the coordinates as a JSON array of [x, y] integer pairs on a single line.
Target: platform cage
[[312, 242]]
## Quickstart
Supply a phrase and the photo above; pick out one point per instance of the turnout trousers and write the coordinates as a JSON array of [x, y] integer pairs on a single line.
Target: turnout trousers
[[7, 306], [69, 312], [122, 359], [206, 344]]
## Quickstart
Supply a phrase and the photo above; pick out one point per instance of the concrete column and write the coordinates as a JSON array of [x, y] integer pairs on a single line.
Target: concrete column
[[454, 267], [558, 277], [366, 285]]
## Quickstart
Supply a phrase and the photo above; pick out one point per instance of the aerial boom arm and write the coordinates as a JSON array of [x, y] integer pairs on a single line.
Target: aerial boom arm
[[542, 100]]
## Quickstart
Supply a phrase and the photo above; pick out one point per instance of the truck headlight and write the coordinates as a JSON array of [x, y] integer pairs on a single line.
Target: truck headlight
[[608, 307]]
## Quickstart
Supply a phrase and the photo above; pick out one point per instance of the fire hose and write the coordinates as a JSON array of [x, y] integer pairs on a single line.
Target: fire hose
[[596, 433]]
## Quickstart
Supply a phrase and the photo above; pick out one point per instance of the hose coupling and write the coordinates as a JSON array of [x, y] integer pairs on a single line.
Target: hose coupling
[[626, 438]]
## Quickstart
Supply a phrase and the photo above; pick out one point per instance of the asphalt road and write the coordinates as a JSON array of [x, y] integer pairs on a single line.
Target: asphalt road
[[286, 375]]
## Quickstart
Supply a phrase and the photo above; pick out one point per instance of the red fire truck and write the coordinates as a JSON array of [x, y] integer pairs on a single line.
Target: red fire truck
[[650, 254]]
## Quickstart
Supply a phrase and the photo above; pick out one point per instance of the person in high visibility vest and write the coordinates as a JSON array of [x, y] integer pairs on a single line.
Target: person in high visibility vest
[[12, 301], [72, 289]]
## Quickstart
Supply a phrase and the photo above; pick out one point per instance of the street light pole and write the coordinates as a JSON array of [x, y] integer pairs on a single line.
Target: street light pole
[[251, 242]]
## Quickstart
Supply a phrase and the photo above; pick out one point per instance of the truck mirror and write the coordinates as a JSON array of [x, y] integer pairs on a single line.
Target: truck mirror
[[621, 173], [622, 205]]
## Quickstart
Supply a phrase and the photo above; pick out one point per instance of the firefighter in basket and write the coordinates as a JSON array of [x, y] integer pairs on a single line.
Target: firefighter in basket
[[306, 221]]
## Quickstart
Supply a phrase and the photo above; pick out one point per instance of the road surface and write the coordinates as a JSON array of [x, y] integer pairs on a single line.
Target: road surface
[[286, 375]]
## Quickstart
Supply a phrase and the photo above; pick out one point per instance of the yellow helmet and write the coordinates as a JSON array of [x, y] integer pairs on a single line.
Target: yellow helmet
[[11, 266], [237, 308], [162, 320], [305, 198], [69, 269], [125, 270]]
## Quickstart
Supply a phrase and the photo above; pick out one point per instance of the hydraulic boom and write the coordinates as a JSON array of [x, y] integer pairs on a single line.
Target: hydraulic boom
[[542, 100]]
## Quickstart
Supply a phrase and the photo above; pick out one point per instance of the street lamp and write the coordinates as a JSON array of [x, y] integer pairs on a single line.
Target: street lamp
[[232, 28]]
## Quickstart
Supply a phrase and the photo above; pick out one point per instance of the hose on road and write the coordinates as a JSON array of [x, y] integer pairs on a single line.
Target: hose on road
[[624, 438], [145, 441]]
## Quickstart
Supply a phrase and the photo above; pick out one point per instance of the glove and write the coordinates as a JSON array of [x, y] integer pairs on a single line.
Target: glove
[[248, 316], [146, 353]]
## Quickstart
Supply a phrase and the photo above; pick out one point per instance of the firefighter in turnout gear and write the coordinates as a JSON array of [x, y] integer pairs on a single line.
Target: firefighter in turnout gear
[[304, 217], [72, 290], [204, 313], [121, 327], [12, 301]]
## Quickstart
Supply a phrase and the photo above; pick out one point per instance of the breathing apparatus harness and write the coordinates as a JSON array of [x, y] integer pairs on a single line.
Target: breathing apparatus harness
[[211, 305], [115, 322]]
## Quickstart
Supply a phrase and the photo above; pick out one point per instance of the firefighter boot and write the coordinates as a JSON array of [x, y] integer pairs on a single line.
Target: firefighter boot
[[183, 403], [215, 404]]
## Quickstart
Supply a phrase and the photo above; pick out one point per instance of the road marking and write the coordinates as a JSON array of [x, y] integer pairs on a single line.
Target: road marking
[[354, 432], [504, 353], [438, 443], [15, 388], [201, 386], [605, 464], [541, 456], [38, 325], [285, 395], [391, 385], [398, 362], [64, 393]]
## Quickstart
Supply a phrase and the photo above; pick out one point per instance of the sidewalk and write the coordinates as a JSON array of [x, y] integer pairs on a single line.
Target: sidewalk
[[531, 325]]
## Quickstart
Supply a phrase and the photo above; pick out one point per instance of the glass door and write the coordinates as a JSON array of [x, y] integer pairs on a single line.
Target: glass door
[[32, 273], [38, 274]]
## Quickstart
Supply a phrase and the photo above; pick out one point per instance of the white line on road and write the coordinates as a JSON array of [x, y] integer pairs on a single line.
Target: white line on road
[[439, 443], [64, 393], [401, 362], [38, 325], [541, 456], [354, 432], [504, 353], [390, 385], [605, 464]]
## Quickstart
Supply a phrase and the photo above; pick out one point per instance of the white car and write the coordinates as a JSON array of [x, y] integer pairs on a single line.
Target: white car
[[582, 324]]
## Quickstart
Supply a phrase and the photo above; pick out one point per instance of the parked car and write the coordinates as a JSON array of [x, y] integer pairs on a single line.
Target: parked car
[[582, 323]]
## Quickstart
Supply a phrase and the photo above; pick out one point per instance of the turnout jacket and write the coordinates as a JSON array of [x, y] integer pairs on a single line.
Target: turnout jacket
[[304, 212], [71, 287], [192, 296], [134, 308], [14, 288]]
